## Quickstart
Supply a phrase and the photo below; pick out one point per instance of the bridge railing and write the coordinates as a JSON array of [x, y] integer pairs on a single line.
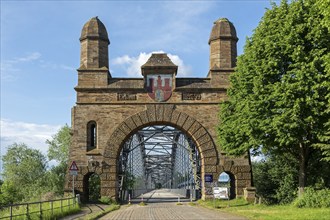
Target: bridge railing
[[39, 210]]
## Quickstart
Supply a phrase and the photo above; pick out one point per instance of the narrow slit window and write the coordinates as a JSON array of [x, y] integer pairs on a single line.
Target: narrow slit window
[[91, 135]]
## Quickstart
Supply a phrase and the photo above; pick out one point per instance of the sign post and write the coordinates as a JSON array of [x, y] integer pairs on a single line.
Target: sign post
[[221, 192], [74, 172]]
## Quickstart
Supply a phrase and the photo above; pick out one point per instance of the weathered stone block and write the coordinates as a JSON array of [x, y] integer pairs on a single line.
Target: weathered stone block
[[210, 169], [228, 165], [168, 109], [130, 123], [182, 119], [243, 176], [144, 117], [210, 161], [188, 123], [199, 133], [175, 116], [137, 120], [208, 153], [243, 169], [124, 128], [204, 139], [195, 127], [108, 184], [159, 113], [151, 113]]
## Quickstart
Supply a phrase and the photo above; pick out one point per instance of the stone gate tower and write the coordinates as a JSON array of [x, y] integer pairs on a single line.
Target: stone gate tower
[[109, 110]]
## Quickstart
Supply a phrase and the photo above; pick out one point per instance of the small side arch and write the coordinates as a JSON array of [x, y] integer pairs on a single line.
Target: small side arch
[[227, 179], [91, 187]]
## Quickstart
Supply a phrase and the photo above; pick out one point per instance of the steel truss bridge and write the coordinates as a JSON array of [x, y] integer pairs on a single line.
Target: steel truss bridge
[[158, 157]]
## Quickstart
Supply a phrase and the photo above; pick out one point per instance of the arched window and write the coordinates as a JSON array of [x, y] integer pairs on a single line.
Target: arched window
[[224, 179], [91, 135]]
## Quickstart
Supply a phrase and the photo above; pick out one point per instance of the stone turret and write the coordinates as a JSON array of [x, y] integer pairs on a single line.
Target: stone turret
[[94, 45], [223, 51], [94, 60]]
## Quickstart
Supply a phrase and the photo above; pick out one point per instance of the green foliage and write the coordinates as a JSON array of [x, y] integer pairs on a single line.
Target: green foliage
[[10, 193], [257, 212], [24, 166], [130, 180], [56, 178], [94, 184], [111, 208], [324, 8], [274, 179], [107, 200], [314, 199], [142, 204], [28, 167], [59, 150], [279, 96], [59, 145], [158, 186], [220, 203], [34, 210]]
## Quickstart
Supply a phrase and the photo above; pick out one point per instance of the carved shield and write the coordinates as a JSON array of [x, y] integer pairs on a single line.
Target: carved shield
[[159, 87]]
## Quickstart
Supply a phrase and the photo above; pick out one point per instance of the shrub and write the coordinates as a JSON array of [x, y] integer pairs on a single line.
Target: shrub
[[107, 200], [313, 199]]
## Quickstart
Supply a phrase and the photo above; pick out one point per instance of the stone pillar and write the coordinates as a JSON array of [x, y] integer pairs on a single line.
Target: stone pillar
[[250, 194]]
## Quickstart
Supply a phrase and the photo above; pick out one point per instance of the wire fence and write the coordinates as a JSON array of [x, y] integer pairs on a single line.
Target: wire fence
[[39, 210]]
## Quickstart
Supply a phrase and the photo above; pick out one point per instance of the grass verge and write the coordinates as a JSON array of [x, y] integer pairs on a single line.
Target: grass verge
[[41, 210], [142, 204], [111, 208], [263, 212]]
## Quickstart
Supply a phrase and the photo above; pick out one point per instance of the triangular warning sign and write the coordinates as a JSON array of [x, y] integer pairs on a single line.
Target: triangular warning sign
[[73, 166]]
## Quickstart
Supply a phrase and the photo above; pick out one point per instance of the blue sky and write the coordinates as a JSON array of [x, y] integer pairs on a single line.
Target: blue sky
[[40, 51]]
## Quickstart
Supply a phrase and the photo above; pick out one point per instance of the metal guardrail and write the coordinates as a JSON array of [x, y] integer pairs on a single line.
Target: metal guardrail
[[36, 209]]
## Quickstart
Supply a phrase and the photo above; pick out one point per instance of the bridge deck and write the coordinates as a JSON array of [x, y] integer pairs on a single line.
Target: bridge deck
[[161, 204]]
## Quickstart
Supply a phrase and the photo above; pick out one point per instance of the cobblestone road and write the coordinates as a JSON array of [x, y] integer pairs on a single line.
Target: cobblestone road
[[162, 205]]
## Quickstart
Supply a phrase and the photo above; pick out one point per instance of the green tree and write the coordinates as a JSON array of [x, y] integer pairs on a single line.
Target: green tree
[[59, 145], [56, 178], [10, 193], [279, 97], [24, 172], [59, 150], [274, 179], [23, 165]]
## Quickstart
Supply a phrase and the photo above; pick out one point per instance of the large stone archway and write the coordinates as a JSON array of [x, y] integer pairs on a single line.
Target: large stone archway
[[163, 115], [108, 110]]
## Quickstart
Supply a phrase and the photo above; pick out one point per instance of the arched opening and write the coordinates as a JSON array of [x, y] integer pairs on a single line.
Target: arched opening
[[92, 187], [159, 157], [227, 179], [91, 135]]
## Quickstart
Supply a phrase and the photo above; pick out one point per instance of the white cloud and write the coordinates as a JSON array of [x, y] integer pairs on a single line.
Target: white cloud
[[29, 57], [132, 65], [33, 135], [51, 65], [10, 68]]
